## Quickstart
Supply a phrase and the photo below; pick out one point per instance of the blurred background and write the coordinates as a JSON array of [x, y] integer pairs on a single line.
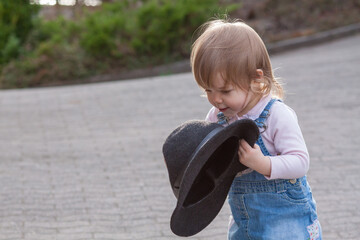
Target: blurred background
[[56, 42]]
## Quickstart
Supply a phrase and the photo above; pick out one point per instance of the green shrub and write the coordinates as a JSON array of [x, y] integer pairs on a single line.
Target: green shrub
[[54, 64], [11, 49], [15, 24], [102, 33], [58, 30], [165, 27]]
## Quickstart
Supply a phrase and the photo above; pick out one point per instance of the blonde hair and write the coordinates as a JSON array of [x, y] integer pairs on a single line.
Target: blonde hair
[[236, 51]]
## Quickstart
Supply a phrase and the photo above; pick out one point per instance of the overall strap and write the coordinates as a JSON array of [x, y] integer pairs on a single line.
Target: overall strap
[[260, 122]]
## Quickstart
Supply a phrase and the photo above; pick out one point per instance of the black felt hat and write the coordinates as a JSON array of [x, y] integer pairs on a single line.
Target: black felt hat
[[202, 161]]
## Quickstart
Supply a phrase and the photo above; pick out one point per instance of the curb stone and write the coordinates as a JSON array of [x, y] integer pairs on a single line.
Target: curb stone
[[313, 39]]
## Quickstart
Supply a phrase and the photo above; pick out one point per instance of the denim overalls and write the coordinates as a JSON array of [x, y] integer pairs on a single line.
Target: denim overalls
[[272, 209]]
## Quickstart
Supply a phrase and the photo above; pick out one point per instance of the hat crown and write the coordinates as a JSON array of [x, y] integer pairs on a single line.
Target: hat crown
[[181, 144]]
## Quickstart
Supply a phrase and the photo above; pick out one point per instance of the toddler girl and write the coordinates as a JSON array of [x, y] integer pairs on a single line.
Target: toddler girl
[[272, 198]]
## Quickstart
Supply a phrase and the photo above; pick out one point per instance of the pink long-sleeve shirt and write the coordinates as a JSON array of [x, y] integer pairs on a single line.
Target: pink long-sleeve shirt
[[282, 138]]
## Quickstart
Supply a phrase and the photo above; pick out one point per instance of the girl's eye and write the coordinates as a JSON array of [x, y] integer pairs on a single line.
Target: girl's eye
[[207, 90], [226, 91]]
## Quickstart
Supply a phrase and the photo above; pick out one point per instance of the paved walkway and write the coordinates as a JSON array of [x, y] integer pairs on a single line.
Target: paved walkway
[[85, 162]]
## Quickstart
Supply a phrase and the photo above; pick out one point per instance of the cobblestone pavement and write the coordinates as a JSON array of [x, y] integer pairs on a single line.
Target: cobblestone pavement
[[85, 162]]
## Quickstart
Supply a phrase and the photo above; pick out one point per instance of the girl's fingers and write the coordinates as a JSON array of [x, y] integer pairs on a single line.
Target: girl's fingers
[[241, 149], [245, 145]]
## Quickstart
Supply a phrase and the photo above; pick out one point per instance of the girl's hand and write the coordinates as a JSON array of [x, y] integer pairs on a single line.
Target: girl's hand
[[253, 158]]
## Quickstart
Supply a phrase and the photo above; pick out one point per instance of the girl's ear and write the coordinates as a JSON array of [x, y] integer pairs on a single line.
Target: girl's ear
[[257, 84], [259, 73]]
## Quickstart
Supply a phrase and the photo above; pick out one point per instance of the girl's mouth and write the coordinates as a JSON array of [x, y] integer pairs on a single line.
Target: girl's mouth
[[223, 109]]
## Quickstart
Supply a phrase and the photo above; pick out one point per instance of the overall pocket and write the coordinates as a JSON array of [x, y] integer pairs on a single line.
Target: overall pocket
[[295, 192]]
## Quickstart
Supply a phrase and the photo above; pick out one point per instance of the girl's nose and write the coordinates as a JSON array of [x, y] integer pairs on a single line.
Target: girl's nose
[[218, 98]]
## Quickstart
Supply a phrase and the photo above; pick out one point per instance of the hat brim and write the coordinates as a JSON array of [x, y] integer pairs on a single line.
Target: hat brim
[[206, 180]]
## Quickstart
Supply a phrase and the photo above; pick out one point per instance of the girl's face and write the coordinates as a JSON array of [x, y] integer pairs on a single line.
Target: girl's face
[[229, 99]]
